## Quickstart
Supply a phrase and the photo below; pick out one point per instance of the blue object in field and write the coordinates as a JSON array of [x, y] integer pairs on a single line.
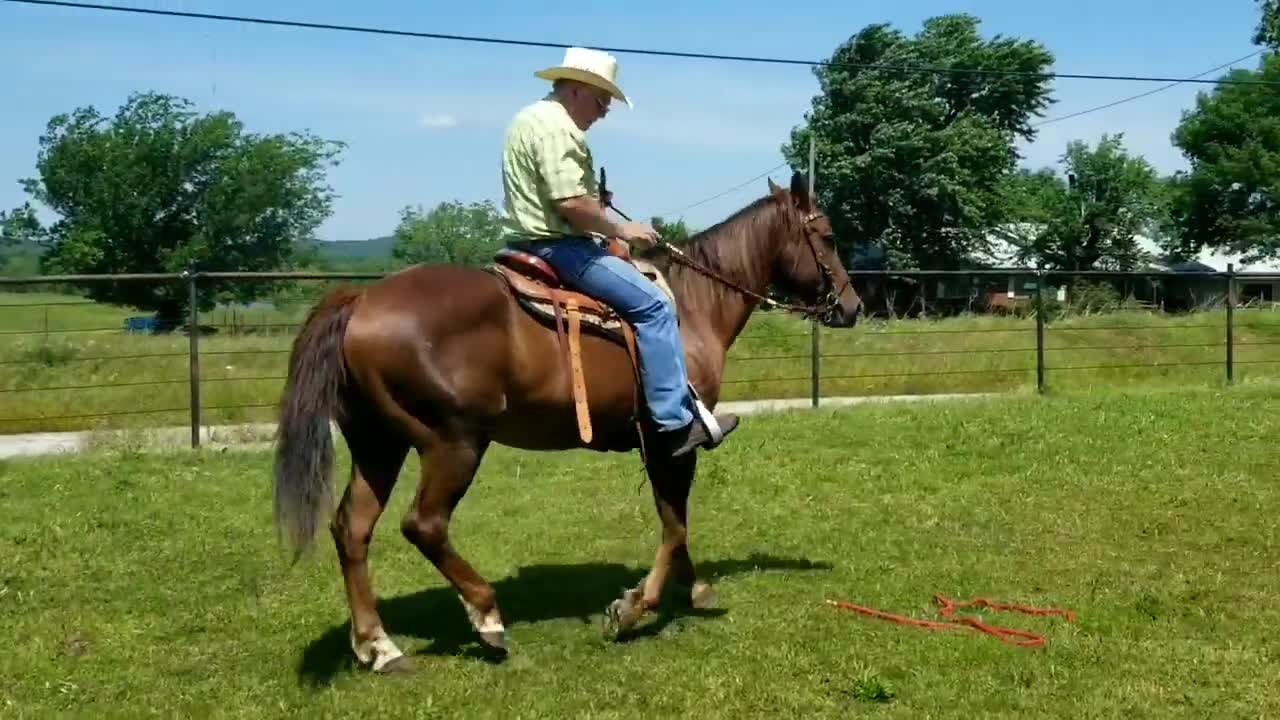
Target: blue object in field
[[140, 324]]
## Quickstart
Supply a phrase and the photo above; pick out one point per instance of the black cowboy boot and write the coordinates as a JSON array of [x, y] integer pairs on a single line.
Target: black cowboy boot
[[695, 434]]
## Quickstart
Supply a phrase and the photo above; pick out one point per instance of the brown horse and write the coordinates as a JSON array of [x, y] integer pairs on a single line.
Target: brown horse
[[444, 360]]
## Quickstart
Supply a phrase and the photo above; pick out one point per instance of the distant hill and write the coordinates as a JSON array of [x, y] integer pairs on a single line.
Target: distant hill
[[25, 248], [378, 248], [364, 255], [21, 260]]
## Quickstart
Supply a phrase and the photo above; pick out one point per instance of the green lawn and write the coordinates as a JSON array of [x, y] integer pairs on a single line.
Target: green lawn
[[151, 584]]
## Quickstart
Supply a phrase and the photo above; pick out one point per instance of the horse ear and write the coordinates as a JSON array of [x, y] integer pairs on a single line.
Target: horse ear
[[800, 189], [773, 187]]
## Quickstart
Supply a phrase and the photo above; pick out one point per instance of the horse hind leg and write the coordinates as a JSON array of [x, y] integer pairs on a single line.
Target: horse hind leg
[[375, 466], [448, 467]]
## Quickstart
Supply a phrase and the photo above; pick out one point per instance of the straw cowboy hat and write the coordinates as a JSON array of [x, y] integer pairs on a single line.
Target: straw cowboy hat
[[592, 67]]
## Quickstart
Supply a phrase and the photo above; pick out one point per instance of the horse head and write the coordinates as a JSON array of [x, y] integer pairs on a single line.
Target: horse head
[[807, 263]]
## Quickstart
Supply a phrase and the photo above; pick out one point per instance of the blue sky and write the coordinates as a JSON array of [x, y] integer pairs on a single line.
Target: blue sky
[[423, 119]]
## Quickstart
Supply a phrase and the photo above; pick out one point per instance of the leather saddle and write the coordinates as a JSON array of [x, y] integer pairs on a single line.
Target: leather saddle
[[538, 289], [533, 279]]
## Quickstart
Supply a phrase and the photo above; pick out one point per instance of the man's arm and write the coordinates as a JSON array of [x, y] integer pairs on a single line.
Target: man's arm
[[584, 213]]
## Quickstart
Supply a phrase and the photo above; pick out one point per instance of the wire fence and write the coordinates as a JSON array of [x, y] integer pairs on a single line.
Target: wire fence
[[71, 359]]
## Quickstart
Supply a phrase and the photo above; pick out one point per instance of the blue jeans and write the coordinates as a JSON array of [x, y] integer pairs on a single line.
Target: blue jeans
[[586, 267]]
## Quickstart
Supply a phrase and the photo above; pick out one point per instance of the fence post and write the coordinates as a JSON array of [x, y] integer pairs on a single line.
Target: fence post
[[1039, 328], [193, 332], [815, 356], [815, 326], [1231, 322]]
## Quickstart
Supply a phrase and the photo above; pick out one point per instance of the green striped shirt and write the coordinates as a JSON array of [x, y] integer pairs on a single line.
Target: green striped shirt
[[544, 158]]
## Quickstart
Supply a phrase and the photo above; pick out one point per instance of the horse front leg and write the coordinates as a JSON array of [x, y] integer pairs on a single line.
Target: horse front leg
[[671, 480]]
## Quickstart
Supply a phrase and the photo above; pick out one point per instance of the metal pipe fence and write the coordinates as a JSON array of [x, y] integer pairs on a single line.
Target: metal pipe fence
[[69, 361]]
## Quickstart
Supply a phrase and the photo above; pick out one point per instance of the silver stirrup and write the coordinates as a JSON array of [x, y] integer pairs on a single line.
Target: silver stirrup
[[708, 420]]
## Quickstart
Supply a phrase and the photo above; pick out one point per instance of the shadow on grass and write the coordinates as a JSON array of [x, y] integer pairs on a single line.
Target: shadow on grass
[[536, 593]]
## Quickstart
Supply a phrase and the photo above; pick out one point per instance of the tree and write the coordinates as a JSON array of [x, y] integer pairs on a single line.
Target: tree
[[451, 232], [158, 188], [1089, 220], [20, 225], [1267, 32], [1229, 200], [910, 163], [677, 233]]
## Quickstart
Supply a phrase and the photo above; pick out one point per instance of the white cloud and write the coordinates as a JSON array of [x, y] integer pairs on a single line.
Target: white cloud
[[438, 121]]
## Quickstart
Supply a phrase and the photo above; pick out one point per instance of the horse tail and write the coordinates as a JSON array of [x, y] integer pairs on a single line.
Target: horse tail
[[313, 393]]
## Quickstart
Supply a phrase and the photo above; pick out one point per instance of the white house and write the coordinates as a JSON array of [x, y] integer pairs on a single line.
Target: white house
[[1003, 253]]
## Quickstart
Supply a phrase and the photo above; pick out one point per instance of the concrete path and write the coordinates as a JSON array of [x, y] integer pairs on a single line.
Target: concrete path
[[258, 436]]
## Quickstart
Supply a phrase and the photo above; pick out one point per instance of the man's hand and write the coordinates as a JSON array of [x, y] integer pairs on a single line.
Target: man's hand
[[641, 234]]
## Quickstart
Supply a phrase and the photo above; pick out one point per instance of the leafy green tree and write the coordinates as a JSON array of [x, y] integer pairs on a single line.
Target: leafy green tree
[[1267, 32], [1029, 194], [158, 188], [19, 225], [1090, 219], [451, 232], [1229, 200], [677, 233], [20, 233], [910, 164]]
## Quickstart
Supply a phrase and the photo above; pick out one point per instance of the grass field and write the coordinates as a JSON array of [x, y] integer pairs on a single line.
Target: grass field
[[66, 364], [151, 584]]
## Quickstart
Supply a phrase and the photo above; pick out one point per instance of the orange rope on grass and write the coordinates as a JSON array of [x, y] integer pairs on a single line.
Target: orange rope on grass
[[949, 606]]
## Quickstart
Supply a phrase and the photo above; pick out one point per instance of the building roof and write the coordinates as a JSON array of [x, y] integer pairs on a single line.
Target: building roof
[[1003, 253]]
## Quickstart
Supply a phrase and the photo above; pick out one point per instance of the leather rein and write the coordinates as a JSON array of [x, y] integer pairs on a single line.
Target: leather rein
[[830, 301]]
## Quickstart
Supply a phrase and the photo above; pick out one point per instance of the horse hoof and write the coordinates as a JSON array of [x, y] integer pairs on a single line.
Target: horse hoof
[[496, 642], [704, 597], [612, 626], [621, 615], [398, 666]]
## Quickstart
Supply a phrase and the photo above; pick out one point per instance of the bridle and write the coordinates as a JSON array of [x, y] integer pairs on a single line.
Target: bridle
[[832, 296], [830, 300]]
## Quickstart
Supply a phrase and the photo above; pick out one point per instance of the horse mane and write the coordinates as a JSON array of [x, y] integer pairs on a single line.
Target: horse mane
[[726, 248]]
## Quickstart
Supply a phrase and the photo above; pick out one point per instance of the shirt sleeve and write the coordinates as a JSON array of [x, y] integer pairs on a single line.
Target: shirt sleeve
[[564, 161]]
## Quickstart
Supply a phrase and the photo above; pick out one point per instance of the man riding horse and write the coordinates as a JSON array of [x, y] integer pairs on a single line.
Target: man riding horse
[[553, 210], [448, 360]]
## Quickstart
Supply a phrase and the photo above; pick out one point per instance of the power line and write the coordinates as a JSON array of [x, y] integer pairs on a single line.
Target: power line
[[1112, 104], [1172, 82], [721, 194], [1042, 123], [631, 51]]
